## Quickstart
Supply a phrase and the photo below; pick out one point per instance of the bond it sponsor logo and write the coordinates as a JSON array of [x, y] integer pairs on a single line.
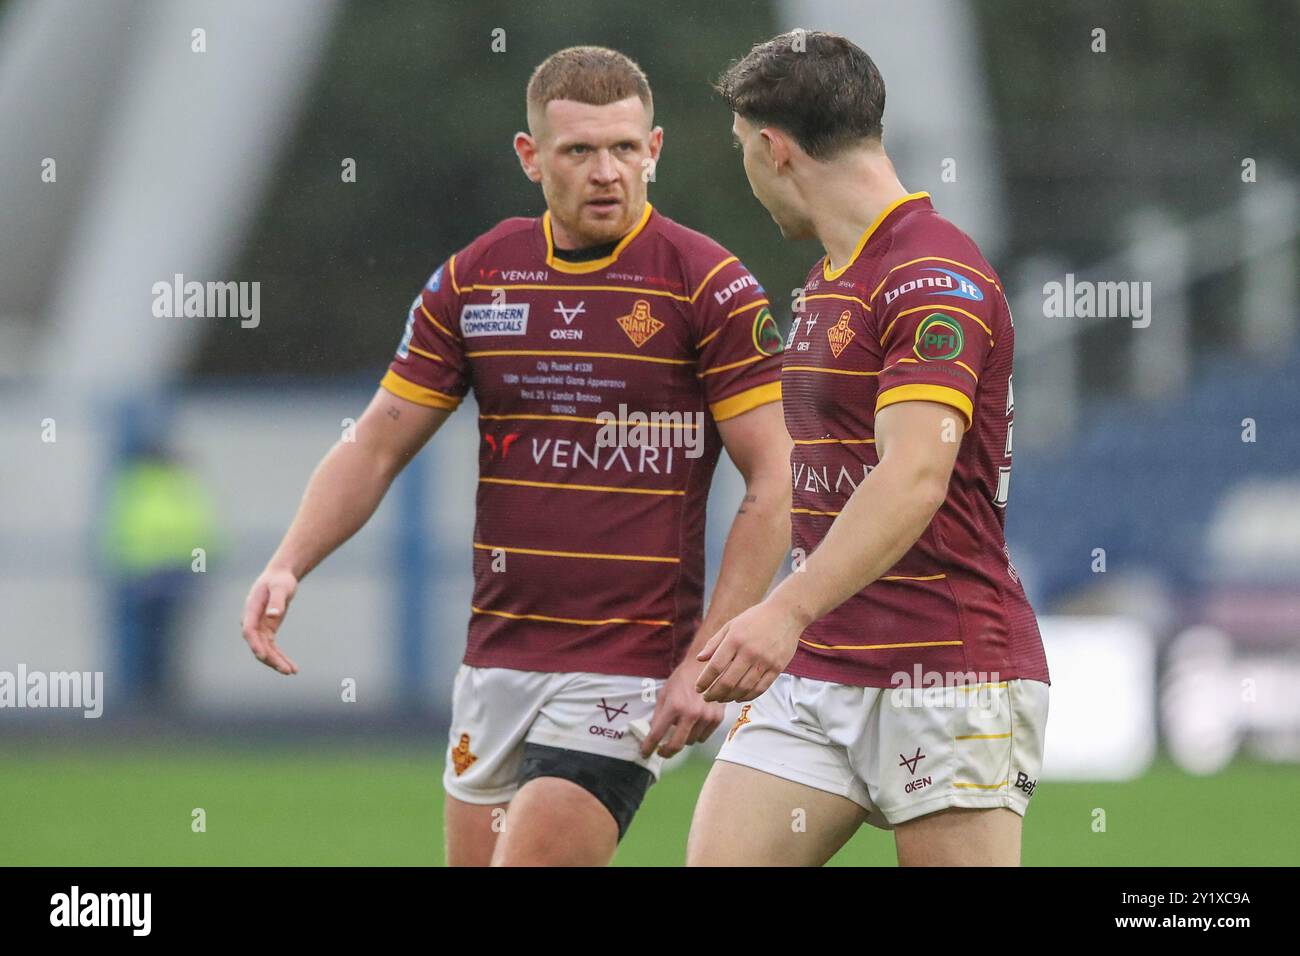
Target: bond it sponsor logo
[[639, 324], [494, 318], [724, 295], [938, 337], [946, 282], [840, 335]]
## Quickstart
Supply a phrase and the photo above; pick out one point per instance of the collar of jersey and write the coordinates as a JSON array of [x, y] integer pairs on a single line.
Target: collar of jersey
[[595, 265], [828, 273]]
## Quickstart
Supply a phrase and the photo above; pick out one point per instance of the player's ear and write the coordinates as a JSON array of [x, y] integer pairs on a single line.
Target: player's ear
[[778, 147], [656, 142], [526, 150]]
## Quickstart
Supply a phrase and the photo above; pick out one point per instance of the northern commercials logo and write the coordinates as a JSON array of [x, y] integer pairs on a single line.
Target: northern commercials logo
[[494, 318], [208, 300], [74, 908], [946, 282], [75, 690], [938, 337]]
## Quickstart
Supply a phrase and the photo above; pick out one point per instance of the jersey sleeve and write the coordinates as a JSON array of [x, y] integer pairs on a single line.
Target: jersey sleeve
[[739, 349], [935, 342], [430, 367]]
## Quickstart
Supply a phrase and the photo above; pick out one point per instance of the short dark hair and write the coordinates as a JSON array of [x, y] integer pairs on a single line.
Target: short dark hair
[[819, 87], [594, 75]]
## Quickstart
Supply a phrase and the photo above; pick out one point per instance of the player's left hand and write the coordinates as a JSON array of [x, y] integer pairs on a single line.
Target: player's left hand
[[689, 717], [748, 653]]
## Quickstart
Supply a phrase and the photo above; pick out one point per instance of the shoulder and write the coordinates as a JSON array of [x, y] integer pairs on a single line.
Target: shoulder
[[699, 256], [925, 246], [516, 229]]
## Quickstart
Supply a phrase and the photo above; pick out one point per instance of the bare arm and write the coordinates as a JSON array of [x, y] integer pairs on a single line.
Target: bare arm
[[759, 445], [881, 521], [759, 538], [342, 494]]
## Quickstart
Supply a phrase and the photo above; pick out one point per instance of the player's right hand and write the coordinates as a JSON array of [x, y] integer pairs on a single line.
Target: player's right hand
[[267, 604]]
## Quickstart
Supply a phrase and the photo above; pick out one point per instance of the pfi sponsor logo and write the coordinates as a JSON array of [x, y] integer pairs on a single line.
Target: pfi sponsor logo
[[1083, 299], [208, 300], [75, 908], [660, 429], [76, 690]]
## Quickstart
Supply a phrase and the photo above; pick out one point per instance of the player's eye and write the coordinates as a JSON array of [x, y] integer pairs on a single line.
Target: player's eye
[[578, 149]]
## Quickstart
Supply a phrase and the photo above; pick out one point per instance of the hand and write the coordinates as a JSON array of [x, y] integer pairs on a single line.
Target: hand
[[681, 710], [267, 603], [748, 653]]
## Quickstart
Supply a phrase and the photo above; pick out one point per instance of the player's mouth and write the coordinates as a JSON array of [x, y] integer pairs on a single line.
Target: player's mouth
[[605, 204]]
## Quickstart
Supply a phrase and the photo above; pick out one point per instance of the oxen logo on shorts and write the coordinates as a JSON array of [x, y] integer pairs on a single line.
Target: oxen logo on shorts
[[840, 335], [639, 324], [461, 757], [911, 762], [740, 721]]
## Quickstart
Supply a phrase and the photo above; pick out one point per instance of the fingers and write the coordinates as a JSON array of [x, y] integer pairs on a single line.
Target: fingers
[[682, 732], [768, 680], [746, 689], [278, 602], [263, 612], [723, 689], [707, 651], [719, 658], [278, 660], [706, 725], [660, 722]]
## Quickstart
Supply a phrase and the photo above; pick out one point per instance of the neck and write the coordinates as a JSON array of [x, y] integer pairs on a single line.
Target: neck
[[568, 240], [849, 195]]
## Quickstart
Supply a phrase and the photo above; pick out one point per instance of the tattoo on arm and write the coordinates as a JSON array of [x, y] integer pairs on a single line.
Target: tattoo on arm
[[394, 412], [747, 500]]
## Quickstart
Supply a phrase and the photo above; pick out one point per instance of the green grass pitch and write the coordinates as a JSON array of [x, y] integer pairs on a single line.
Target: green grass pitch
[[304, 806]]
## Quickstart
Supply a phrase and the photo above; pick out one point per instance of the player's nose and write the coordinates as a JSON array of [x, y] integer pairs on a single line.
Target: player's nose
[[603, 170]]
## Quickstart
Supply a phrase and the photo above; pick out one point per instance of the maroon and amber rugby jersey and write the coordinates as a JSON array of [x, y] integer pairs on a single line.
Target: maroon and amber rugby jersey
[[588, 543], [916, 314]]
